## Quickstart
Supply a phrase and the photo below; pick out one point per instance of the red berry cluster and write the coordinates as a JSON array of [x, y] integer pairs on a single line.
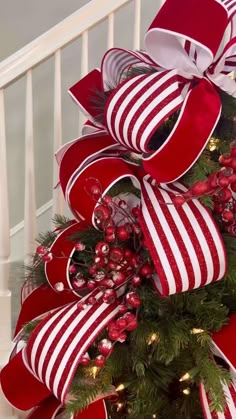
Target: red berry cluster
[[221, 185]]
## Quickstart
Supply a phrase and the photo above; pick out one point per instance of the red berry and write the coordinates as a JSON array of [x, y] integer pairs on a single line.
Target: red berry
[[227, 215], [225, 160], [92, 270], [233, 152], [111, 325], [224, 195], [233, 163], [116, 254], [135, 261], [146, 270], [213, 181], [78, 284], [109, 296], [218, 207], [42, 250], [122, 308], [232, 178], [107, 199], [122, 233], [85, 360], [129, 317], [47, 257], [223, 182], [136, 228], [136, 281], [72, 269], [122, 337], [108, 283], [92, 301], [100, 361], [122, 203], [110, 238], [105, 347], [102, 212], [102, 248], [110, 230], [128, 254], [135, 211], [200, 188], [79, 246], [114, 334], [91, 285], [233, 186], [119, 278], [133, 299], [121, 323], [132, 325], [178, 200], [112, 265]]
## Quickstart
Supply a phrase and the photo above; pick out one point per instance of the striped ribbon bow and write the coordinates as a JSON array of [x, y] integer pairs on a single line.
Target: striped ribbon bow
[[186, 67]]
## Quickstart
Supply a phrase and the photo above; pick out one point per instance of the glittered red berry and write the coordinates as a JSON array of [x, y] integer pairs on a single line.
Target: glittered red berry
[[112, 265], [200, 188], [111, 325], [136, 281], [213, 181], [100, 261], [47, 257], [129, 316], [227, 215], [100, 361], [178, 200], [232, 178], [146, 270], [107, 199], [122, 337], [107, 282], [114, 334], [102, 248], [218, 207], [128, 254], [122, 203], [224, 195], [119, 278], [122, 233], [92, 270], [133, 299], [78, 284], [116, 254], [105, 347], [121, 323], [109, 296], [85, 359]]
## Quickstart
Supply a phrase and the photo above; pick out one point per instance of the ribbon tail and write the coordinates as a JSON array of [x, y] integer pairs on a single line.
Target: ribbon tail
[[48, 409]]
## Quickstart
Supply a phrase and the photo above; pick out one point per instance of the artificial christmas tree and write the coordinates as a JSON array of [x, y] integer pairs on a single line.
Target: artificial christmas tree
[[132, 309]]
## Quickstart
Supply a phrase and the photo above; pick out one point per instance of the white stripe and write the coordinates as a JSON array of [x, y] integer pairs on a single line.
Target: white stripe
[[161, 251], [186, 239], [82, 350], [64, 338], [66, 356], [230, 401], [56, 330], [114, 101], [135, 108], [215, 236], [161, 115], [34, 350], [205, 403]]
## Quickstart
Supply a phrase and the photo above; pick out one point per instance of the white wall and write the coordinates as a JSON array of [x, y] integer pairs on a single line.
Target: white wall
[[20, 22]]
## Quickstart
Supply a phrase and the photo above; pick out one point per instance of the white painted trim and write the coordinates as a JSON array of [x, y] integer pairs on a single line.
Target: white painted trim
[[59, 36]]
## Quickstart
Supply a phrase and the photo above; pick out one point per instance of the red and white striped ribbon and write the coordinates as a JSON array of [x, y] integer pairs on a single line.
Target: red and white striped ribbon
[[55, 347], [184, 242], [230, 409], [140, 104]]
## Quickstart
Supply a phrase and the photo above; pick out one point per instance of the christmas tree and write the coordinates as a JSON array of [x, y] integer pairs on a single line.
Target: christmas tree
[[128, 308]]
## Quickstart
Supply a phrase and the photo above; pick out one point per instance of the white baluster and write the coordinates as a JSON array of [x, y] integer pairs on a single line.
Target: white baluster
[[6, 410], [83, 70], [137, 21], [30, 201], [110, 36], [57, 193]]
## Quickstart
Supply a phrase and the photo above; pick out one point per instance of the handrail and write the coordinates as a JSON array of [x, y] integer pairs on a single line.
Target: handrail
[[56, 38]]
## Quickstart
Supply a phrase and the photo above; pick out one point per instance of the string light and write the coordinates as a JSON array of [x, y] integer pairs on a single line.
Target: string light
[[153, 338], [120, 387], [213, 144], [119, 406], [154, 416], [187, 391], [94, 371], [196, 331], [185, 377]]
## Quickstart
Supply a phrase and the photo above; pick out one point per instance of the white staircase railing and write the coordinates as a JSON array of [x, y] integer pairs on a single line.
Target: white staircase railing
[[21, 64]]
